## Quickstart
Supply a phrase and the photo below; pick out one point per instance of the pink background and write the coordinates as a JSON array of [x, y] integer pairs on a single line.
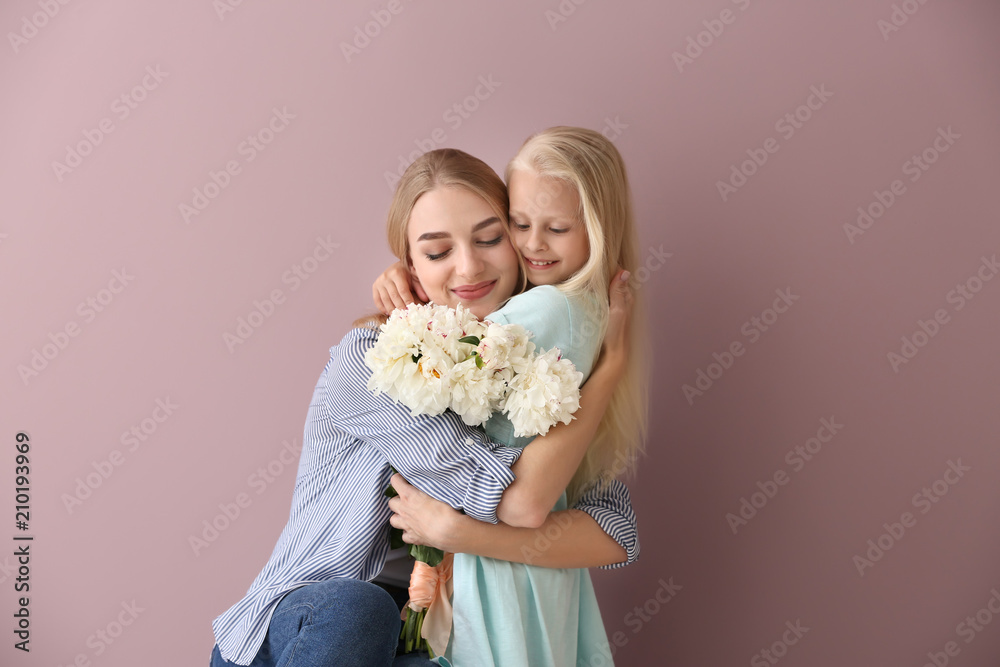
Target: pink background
[[608, 66]]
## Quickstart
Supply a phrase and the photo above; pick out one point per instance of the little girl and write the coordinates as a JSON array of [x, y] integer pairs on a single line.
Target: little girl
[[571, 220]]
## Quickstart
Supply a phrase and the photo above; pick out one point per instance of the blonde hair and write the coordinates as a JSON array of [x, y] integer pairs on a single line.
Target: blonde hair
[[590, 164], [441, 168]]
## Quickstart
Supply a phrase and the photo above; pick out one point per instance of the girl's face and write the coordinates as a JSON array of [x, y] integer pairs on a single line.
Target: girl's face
[[546, 227], [459, 251]]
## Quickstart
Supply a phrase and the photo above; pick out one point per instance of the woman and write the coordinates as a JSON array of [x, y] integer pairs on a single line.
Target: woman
[[304, 606]]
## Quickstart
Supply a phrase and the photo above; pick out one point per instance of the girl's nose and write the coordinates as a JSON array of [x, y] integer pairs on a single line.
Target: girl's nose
[[535, 240]]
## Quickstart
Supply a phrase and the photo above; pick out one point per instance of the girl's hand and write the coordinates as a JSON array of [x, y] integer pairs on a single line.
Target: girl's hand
[[423, 519], [391, 290], [615, 348]]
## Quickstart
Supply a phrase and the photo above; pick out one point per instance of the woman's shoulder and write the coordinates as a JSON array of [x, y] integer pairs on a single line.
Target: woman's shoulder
[[356, 340]]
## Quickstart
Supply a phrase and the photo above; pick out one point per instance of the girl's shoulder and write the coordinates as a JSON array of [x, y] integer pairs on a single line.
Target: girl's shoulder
[[544, 301]]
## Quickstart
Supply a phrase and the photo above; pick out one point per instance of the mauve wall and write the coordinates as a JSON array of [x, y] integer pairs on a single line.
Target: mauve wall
[[839, 473]]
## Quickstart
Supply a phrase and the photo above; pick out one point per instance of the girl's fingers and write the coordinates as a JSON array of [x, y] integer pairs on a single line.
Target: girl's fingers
[[377, 298], [401, 285], [418, 289], [390, 294]]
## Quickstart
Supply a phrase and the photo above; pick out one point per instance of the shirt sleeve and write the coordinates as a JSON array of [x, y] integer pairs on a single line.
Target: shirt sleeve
[[440, 455], [611, 508]]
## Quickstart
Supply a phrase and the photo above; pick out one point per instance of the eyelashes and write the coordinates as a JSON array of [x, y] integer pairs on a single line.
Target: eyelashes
[[441, 255], [524, 228]]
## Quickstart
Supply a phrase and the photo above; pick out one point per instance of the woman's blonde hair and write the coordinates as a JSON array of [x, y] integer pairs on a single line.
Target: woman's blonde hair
[[443, 167], [589, 163]]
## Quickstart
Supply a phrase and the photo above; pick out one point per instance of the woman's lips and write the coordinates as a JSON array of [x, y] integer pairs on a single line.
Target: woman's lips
[[473, 292]]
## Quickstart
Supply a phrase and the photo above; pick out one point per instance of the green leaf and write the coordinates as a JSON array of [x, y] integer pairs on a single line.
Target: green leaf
[[396, 539], [471, 340], [479, 362], [428, 555], [415, 357]]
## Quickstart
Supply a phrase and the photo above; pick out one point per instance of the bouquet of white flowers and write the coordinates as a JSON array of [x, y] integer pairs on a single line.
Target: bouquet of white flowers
[[435, 358]]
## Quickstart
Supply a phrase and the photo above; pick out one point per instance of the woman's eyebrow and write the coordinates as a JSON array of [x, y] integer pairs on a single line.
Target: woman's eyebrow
[[433, 236]]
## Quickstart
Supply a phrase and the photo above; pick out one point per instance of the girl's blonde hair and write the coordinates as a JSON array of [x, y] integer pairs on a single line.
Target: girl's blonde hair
[[442, 167], [589, 163]]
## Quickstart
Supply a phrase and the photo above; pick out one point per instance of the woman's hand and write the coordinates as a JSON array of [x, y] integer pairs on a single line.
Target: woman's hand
[[423, 519], [392, 289]]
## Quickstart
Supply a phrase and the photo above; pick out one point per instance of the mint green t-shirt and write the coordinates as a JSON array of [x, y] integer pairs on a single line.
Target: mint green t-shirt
[[512, 614]]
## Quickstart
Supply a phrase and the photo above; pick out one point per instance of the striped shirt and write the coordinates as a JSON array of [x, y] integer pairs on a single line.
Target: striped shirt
[[339, 520]]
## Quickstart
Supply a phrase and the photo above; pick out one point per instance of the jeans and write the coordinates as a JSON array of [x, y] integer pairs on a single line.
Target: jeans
[[335, 623]]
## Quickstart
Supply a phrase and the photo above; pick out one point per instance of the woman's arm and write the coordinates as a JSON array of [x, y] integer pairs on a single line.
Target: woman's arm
[[600, 531]]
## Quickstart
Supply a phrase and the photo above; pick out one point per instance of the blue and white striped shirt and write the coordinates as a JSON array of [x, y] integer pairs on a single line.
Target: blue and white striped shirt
[[339, 521]]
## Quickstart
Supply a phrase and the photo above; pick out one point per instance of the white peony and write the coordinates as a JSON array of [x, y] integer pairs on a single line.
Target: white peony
[[476, 393], [432, 358], [546, 393]]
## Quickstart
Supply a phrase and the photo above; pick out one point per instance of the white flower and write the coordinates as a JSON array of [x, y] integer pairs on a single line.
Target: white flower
[[431, 358], [546, 393], [476, 393]]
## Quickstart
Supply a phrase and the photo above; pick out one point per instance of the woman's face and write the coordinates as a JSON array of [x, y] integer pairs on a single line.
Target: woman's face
[[459, 251], [545, 226]]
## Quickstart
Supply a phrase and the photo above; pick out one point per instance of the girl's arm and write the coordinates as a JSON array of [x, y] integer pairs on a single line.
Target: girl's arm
[[600, 531], [544, 472]]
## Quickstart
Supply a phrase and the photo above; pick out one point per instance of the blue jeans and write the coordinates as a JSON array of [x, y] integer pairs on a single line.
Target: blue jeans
[[335, 623]]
